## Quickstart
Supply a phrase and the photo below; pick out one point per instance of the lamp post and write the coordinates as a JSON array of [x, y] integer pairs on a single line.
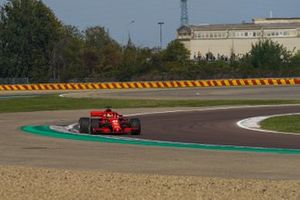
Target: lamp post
[[160, 33], [127, 31], [128, 28]]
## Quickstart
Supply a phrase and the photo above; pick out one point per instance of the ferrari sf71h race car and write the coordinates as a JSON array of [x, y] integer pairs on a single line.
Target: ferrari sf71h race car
[[109, 122]]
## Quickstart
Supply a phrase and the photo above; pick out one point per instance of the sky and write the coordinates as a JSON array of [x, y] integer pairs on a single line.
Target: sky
[[117, 16]]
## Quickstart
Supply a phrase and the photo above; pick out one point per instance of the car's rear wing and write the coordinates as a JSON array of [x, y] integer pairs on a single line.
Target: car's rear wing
[[97, 113]]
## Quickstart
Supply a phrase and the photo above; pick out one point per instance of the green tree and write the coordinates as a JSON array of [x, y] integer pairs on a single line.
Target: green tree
[[66, 59], [176, 52], [126, 68], [102, 54], [176, 58], [267, 54], [29, 31], [296, 59], [97, 37]]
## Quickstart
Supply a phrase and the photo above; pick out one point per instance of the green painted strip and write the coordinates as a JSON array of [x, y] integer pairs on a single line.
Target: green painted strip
[[46, 131]]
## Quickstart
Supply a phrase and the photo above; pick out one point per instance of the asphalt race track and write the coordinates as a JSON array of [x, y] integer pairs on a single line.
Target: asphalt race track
[[217, 127]]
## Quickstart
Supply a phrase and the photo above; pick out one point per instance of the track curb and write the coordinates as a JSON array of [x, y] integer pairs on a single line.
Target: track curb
[[253, 124], [48, 132]]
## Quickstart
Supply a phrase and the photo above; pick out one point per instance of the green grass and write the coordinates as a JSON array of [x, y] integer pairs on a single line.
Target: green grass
[[282, 124], [53, 102]]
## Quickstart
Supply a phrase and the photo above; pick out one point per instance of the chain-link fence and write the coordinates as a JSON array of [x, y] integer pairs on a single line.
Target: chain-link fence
[[9, 81]]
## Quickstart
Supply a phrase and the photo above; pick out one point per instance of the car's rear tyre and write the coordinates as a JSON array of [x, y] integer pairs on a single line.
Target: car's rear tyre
[[135, 123], [94, 124], [84, 125]]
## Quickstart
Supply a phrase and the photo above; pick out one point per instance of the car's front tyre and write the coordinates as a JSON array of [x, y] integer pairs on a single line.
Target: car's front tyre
[[93, 124], [135, 124], [84, 125]]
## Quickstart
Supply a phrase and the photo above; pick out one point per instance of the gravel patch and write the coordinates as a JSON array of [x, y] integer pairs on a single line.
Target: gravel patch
[[44, 183]]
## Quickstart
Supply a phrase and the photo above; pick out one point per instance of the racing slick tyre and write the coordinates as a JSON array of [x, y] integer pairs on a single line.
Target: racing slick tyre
[[136, 124], [94, 123], [84, 125]]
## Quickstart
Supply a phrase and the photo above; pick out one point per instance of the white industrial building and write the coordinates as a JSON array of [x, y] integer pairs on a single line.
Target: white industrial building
[[227, 39]]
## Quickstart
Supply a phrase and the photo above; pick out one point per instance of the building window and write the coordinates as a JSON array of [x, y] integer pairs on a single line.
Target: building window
[[293, 33]]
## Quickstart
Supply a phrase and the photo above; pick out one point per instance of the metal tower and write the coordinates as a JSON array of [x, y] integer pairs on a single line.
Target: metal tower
[[184, 20]]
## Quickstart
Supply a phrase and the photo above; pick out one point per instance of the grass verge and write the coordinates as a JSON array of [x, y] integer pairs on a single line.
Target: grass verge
[[54, 102], [289, 123]]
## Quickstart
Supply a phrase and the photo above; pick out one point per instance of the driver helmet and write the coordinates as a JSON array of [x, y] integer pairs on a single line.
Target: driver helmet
[[108, 110]]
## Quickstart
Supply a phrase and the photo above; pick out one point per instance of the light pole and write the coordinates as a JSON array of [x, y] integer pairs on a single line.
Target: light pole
[[160, 33], [127, 31], [132, 22]]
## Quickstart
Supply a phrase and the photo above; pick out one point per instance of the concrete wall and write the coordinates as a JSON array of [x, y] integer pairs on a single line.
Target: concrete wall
[[239, 46]]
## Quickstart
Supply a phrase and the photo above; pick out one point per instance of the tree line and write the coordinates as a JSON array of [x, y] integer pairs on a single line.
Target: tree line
[[35, 44]]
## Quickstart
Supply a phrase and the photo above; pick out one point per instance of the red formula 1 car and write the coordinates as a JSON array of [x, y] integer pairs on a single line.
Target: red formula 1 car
[[109, 122]]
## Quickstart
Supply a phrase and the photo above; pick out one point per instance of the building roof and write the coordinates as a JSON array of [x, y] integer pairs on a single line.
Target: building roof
[[276, 20], [246, 26], [256, 24]]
